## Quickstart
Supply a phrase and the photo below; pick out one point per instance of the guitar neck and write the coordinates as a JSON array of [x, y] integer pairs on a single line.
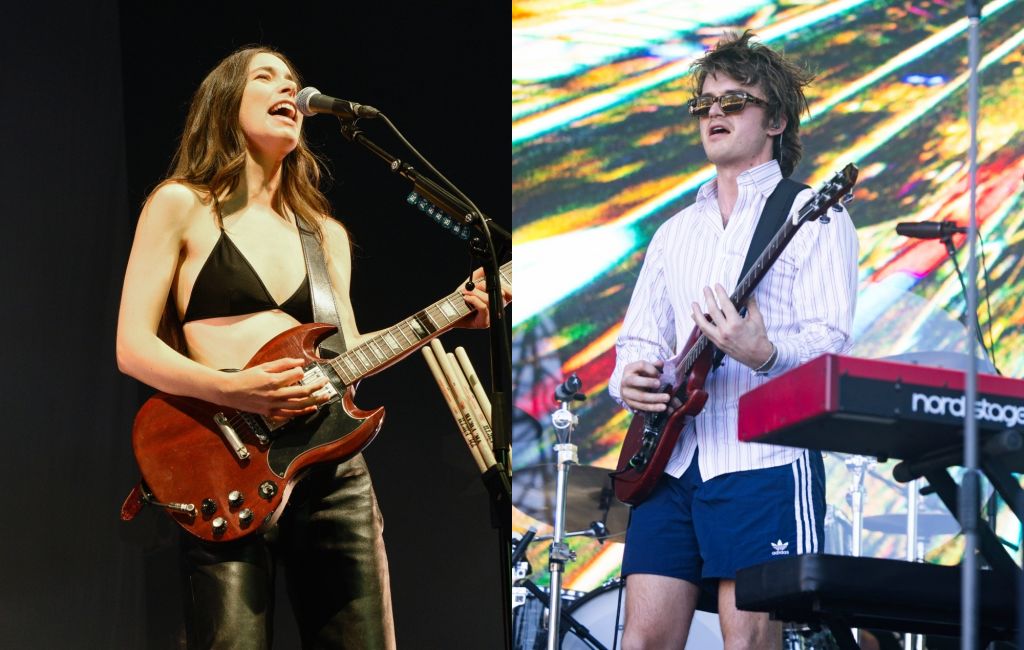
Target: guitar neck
[[771, 252], [749, 282], [391, 344]]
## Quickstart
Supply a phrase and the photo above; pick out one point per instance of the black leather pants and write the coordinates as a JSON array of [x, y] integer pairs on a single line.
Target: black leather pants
[[329, 543]]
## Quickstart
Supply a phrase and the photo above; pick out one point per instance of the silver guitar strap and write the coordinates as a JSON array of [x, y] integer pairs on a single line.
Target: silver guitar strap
[[320, 293]]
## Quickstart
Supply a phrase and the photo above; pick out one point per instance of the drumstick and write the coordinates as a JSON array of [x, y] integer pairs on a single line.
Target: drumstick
[[474, 382], [474, 406], [463, 401], [472, 440]]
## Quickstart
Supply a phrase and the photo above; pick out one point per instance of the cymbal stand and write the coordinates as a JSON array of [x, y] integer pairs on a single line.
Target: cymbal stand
[[564, 421], [915, 550], [858, 467]]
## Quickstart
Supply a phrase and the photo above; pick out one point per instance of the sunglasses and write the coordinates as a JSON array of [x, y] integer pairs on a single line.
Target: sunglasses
[[731, 102]]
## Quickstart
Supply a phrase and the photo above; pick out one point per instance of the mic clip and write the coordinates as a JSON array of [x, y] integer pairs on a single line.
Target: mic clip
[[568, 391]]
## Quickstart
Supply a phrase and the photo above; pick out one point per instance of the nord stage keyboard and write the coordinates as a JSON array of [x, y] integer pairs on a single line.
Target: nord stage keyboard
[[876, 408]]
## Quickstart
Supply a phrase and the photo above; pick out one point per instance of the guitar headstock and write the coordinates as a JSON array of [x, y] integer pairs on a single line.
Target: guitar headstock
[[829, 194]]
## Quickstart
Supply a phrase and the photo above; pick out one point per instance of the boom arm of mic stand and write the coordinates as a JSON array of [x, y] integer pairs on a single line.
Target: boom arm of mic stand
[[423, 185], [501, 355]]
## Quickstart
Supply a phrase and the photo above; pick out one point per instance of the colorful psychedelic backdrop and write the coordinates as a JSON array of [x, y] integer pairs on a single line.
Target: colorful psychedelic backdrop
[[603, 151]]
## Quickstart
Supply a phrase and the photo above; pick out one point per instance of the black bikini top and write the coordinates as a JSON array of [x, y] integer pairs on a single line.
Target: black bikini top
[[228, 285]]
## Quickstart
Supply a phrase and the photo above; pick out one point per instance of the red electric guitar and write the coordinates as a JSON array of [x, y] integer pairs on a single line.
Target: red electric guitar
[[652, 436], [223, 474]]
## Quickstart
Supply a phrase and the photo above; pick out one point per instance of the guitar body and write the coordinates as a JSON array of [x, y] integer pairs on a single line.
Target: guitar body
[[654, 435], [186, 459]]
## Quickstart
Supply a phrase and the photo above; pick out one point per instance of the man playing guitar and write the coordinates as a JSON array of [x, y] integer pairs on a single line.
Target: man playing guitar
[[722, 505]]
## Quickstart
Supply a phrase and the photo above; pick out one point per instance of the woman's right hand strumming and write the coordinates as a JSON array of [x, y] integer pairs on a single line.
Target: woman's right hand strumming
[[272, 390]]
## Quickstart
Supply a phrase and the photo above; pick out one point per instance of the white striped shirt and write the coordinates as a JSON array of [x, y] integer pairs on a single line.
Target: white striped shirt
[[807, 300]]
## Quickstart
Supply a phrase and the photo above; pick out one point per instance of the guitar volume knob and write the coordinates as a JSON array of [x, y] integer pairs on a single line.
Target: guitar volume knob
[[235, 498], [209, 506], [245, 516], [219, 525]]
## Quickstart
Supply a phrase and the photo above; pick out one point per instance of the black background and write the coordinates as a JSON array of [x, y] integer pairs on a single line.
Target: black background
[[95, 95]]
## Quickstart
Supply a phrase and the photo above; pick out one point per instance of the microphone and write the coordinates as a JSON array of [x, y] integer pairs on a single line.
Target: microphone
[[568, 390], [311, 101], [928, 229]]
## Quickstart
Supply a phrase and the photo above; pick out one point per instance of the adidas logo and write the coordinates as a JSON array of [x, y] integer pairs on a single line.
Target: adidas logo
[[779, 548]]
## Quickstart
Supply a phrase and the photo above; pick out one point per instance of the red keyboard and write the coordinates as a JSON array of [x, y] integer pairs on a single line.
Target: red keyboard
[[874, 408]]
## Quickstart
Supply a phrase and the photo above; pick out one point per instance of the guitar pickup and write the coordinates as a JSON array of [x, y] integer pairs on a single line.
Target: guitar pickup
[[314, 374]]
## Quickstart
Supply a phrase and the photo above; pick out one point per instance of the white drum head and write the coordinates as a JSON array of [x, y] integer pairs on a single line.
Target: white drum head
[[596, 611]]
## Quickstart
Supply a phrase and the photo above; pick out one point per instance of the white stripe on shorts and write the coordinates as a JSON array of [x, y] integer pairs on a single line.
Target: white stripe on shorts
[[796, 507], [810, 503]]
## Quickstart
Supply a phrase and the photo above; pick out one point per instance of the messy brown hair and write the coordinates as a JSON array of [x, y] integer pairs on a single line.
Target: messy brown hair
[[782, 81]]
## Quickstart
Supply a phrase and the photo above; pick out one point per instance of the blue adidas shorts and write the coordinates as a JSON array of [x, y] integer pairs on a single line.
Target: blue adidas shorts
[[704, 531]]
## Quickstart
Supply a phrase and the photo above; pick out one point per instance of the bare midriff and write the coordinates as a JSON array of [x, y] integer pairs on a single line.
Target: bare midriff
[[229, 342]]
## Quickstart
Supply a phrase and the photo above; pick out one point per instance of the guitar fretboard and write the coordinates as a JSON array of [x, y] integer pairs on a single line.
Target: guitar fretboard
[[397, 340]]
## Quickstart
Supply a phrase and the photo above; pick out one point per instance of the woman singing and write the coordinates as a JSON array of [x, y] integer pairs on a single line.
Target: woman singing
[[217, 250]]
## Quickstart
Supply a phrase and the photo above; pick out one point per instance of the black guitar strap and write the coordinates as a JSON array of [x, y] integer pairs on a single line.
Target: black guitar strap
[[320, 292], [774, 214]]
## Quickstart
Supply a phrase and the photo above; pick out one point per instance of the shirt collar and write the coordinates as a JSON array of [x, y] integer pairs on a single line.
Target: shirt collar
[[762, 178]]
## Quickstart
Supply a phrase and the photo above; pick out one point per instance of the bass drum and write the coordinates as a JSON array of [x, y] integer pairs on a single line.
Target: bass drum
[[597, 612]]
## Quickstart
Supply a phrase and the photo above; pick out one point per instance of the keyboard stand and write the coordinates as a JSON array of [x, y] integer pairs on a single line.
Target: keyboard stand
[[843, 592]]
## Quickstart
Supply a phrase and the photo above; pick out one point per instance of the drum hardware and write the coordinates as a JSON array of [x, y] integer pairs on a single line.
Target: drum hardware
[[597, 530], [858, 467], [520, 567], [531, 603], [838, 531], [582, 500], [804, 636], [589, 499], [929, 524], [529, 635]]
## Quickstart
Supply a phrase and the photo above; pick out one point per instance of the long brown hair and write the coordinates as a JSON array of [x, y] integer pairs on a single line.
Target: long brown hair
[[211, 153], [211, 159], [782, 80]]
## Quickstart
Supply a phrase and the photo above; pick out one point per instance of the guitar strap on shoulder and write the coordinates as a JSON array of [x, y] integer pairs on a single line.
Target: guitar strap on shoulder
[[320, 292], [774, 214]]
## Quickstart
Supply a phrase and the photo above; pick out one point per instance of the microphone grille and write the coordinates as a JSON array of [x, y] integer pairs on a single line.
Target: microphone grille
[[302, 100]]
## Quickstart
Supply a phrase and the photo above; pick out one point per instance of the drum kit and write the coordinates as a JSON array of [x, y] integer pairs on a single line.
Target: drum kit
[[579, 501]]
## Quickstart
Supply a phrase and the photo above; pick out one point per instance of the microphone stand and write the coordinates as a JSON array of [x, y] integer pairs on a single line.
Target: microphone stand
[[497, 477], [951, 251], [969, 482]]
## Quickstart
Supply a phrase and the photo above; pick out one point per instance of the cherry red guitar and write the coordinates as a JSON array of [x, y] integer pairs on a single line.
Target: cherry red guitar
[[223, 474], [652, 436]]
